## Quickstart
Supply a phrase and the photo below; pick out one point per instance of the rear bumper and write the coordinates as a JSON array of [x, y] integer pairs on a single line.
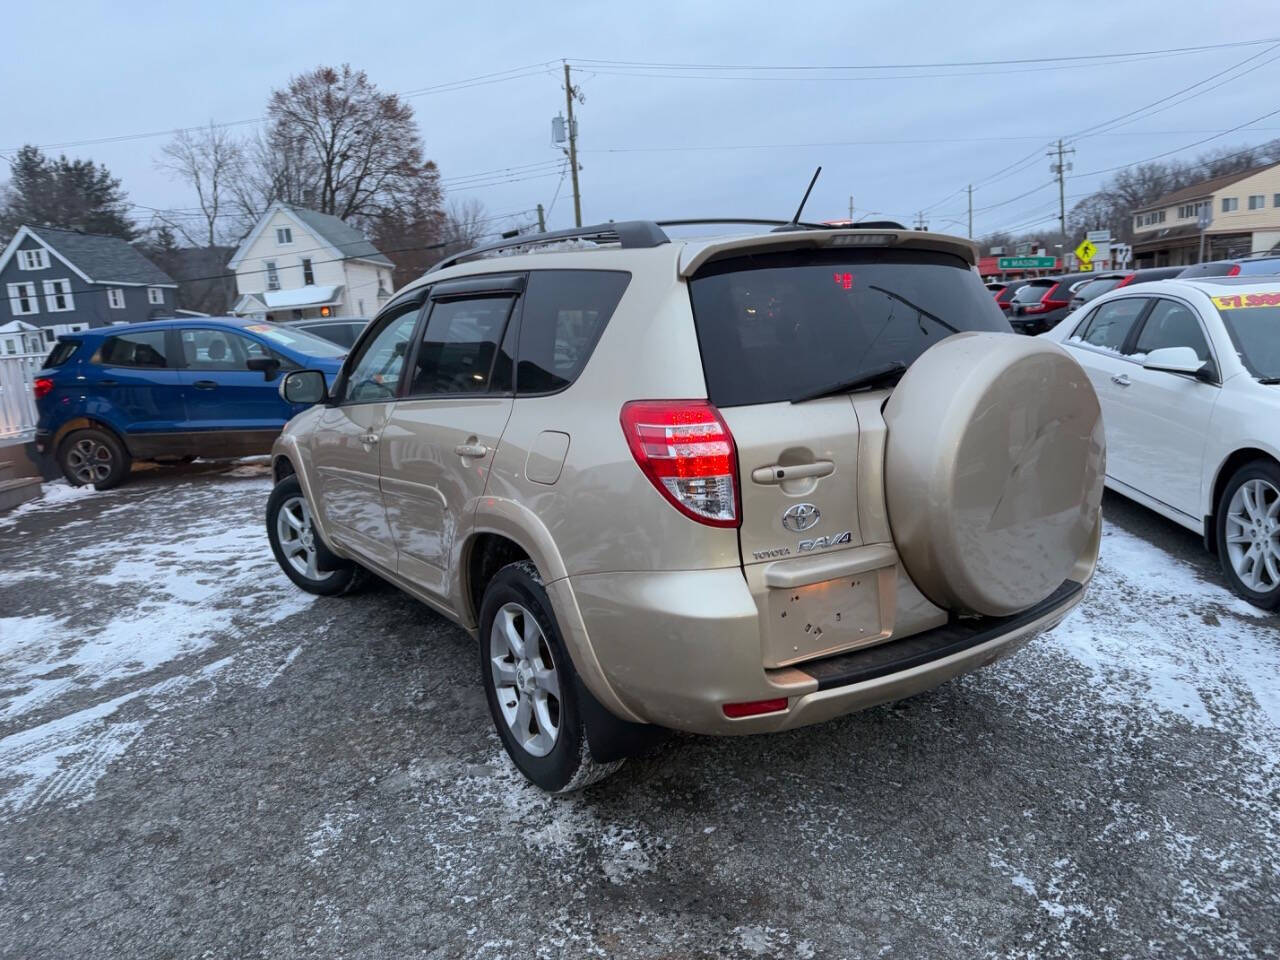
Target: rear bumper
[[675, 647]]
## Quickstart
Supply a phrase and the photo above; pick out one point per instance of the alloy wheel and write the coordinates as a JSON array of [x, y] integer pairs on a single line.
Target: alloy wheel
[[525, 679], [297, 536], [1253, 535], [90, 461]]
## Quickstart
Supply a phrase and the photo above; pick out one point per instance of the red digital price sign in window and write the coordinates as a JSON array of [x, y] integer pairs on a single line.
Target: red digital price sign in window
[[844, 281]]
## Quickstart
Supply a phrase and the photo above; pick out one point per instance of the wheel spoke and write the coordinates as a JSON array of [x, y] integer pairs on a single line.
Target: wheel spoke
[[294, 520], [1272, 567], [524, 710], [515, 643], [312, 571], [547, 681], [504, 673]]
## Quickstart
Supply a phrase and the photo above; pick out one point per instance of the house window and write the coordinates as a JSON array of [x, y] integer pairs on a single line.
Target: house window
[[1257, 201], [33, 259], [155, 295], [22, 299], [1275, 201], [57, 296], [273, 276], [115, 298], [1230, 203], [11, 346], [284, 235], [308, 278]]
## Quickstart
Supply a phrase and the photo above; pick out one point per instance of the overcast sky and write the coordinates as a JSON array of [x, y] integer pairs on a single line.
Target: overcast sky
[[668, 143]]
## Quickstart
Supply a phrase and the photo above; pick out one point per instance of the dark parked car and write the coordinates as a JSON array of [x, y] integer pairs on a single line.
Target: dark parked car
[[1004, 299], [342, 331], [1106, 282], [1041, 303], [1243, 267], [168, 390]]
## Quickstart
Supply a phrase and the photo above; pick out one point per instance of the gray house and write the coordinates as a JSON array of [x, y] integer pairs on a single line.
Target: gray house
[[63, 281]]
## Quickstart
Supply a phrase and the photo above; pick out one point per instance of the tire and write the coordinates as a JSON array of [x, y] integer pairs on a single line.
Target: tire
[[302, 555], [541, 701], [93, 456], [1248, 533]]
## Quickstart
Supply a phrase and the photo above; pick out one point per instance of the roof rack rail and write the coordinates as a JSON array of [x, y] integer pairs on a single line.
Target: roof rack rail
[[631, 234], [749, 221]]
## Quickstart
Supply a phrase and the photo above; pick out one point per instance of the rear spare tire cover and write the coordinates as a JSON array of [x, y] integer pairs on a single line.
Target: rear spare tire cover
[[993, 470]]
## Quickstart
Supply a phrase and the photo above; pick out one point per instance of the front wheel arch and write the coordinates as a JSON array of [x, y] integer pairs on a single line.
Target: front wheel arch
[[1226, 470]]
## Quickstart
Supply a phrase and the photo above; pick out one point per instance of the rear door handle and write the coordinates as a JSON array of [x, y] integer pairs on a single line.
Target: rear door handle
[[1121, 379], [108, 383], [778, 473], [471, 450], [205, 384]]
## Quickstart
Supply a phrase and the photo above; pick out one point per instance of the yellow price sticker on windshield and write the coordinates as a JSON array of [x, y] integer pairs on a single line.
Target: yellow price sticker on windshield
[[1238, 301]]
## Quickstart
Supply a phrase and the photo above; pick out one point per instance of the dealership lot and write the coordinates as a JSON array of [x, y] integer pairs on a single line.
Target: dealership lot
[[196, 759]]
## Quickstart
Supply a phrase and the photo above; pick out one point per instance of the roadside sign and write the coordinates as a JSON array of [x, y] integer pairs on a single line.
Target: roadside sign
[[1205, 219], [1025, 263], [1098, 237], [1085, 251]]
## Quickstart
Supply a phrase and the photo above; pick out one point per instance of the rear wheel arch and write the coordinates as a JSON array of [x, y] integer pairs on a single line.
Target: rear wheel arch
[[1226, 470], [484, 555], [86, 423]]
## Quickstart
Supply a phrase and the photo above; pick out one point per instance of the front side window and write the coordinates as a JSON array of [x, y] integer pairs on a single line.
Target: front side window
[[375, 371], [155, 295], [22, 299], [33, 259], [1109, 326], [1171, 324], [57, 296], [460, 345], [143, 349], [308, 277], [273, 276], [564, 313], [115, 298], [210, 349]]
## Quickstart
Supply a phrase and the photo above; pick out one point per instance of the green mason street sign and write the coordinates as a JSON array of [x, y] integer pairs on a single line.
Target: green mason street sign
[[1025, 263]]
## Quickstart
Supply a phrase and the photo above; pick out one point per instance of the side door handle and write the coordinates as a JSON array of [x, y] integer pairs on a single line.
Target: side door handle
[[205, 384], [471, 449], [108, 383], [1121, 379], [778, 473], [369, 439]]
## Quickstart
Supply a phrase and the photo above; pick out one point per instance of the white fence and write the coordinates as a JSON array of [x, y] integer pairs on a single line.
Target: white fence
[[17, 396]]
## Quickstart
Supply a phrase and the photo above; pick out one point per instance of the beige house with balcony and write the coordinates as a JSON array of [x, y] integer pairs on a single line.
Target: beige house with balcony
[[1245, 210], [297, 264]]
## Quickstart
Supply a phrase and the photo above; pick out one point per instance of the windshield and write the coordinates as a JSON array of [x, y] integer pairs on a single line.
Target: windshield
[[1096, 288], [1253, 322], [779, 326], [297, 340]]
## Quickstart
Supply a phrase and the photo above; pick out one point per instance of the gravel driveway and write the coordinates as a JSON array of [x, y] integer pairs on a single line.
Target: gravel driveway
[[197, 760]]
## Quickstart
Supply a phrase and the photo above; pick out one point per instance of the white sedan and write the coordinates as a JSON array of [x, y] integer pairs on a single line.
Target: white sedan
[[1188, 373]]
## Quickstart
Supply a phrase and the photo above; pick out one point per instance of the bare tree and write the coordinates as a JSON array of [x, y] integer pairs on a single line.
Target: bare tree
[[212, 162], [464, 223]]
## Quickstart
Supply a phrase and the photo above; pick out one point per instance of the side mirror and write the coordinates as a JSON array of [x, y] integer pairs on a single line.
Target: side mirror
[[1177, 360], [267, 366], [304, 387]]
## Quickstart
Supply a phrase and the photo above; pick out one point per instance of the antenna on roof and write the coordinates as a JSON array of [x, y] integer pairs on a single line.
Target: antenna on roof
[[800, 209]]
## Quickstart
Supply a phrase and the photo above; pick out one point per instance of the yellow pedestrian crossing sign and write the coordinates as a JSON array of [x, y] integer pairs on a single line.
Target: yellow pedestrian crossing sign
[[1086, 250]]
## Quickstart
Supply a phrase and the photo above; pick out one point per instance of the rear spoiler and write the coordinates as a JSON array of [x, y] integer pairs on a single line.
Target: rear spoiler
[[696, 254]]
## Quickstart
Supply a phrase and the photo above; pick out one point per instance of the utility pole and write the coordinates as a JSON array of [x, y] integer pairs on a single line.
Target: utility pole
[[1059, 170], [571, 94], [920, 222], [851, 209], [542, 221], [971, 211]]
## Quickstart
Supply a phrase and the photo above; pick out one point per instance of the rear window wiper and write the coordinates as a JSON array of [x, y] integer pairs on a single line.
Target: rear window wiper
[[1269, 379], [885, 373]]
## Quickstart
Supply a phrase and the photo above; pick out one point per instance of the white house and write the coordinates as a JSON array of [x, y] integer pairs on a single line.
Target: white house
[[297, 263]]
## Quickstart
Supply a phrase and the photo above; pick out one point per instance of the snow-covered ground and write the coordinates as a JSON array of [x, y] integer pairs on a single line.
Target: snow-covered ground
[[1114, 789]]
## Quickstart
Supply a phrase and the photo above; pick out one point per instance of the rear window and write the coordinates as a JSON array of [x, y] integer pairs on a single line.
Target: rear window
[[61, 353], [777, 326], [1033, 292], [1254, 268]]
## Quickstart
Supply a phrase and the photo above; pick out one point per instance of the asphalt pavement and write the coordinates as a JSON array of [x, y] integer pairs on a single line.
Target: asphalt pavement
[[199, 761]]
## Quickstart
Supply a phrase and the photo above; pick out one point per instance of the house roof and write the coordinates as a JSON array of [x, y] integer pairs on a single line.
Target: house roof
[[102, 259], [345, 240], [1204, 188]]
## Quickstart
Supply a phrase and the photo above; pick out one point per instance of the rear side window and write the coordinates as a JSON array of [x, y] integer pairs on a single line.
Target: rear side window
[[144, 349], [1108, 327], [777, 326], [61, 352], [459, 345], [564, 313]]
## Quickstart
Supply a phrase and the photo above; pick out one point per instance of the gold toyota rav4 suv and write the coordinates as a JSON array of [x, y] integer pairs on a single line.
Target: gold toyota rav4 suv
[[727, 486]]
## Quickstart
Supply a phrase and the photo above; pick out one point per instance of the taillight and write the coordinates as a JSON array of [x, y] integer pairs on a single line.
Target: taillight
[[1126, 281], [41, 386], [1234, 271], [685, 449]]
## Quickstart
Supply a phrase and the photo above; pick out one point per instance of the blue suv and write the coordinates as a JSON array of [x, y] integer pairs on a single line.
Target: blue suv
[[169, 390]]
